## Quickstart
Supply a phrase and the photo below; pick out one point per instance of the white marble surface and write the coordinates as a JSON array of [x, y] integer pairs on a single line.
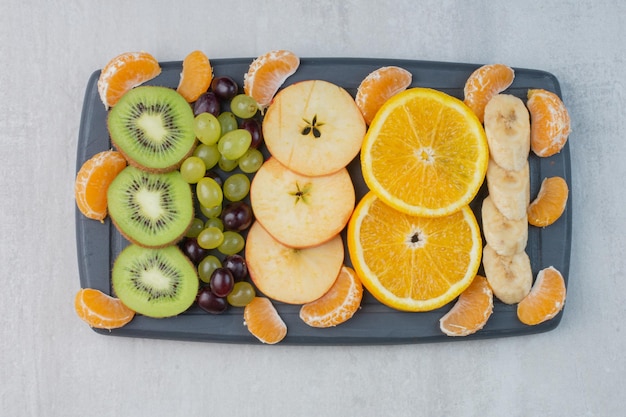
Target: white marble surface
[[51, 364]]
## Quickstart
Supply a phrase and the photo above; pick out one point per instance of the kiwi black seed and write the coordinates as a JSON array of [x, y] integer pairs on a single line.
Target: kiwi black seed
[[155, 282], [153, 128], [150, 209]]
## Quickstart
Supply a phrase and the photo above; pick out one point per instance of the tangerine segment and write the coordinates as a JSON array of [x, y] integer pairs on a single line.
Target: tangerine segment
[[263, 321], [550, 202], [195, 77], [484, 83], [413, 263], [549, 122], [378, 87], [545, 300], [100, 310], [93, 180], [425, 153], [338, 305], [471, 311], [267, 73], [125, 72]]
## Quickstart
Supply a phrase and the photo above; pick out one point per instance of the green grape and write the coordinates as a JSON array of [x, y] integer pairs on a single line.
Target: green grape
[[208, 153], [209, 192], [210, 238], [206, 267], [243, 106], [207, 128], [234, 144], [227, 165], [211, 212], [236, 187], [251, 161], [241, 294], [192, 169], [215, 222], [232, 243], [228, 122], [196, 227]]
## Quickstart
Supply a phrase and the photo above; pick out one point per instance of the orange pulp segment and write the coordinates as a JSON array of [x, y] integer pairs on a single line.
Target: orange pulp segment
[[484, 83], [549, 122], [100, 310], [267, 73], [546, 298], [471, 311], [195, 77], [262, 320], [378, 87], [550, 202]]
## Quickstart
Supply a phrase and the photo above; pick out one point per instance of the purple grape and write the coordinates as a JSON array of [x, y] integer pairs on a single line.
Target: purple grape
[[192, 249], [221, 282], [215, 176], [210, 302], [207, 103], [236, 264], [256, 131], [237, 216], [224, 87]]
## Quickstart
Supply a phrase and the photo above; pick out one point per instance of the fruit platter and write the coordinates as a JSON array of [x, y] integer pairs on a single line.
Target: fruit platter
[[315, 234]]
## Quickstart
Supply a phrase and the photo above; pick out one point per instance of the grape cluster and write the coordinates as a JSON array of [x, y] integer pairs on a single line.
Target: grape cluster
[[220, 169]]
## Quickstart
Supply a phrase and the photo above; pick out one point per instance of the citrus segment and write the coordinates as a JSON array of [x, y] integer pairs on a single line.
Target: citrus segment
[[484, 83], [125, 72], [471, 311], [196, 76], [546, 298], [550, 122], [93, 180], [378, 87], [413, 263], [425, 153], [267, 73], [100, 310], [338, 305], [550, 202], [262, 320]]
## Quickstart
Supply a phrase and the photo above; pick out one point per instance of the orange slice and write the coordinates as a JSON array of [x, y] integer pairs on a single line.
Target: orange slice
[[263, 321], [484, 83], [545, 300], [549, 122], [425, 153], [195, 77], [338, 305], [100, 310], [267, 73], [471, 311], [125, 72], [550, 202], [413, 263], [93, 180], [378, 87]]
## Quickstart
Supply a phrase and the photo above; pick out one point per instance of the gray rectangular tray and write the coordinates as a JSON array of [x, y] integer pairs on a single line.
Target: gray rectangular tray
[[99, 243]]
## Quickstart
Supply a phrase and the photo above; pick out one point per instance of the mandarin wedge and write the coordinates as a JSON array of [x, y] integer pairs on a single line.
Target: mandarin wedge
[[100, 310], [267, 73], [378, 87], [484, 83], [471, 311], [93, 180], [338, 305], [125, 72], [550, 202], [262, 320], [195, 77], [550, 122], [545, 300]]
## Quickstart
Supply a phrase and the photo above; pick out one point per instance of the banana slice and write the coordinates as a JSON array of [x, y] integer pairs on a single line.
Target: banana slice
[[510, 277], [507, 126], [509, 190], [505, 236]]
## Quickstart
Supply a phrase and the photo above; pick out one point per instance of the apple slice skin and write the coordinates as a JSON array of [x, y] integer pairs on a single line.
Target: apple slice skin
[[314, 127], [289, 275], [301, 211]]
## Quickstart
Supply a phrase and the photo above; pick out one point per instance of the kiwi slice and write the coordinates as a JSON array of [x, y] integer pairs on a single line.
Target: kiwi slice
[[153, 128], [150, 209], [155, 282]]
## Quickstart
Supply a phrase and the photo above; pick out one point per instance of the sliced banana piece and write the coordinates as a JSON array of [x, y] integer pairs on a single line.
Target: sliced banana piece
[[510, 277], [505, 236], [509, 190], [507, 126]]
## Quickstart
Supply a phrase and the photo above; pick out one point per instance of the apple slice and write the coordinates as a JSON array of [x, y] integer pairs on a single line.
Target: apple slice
[[314, 127], [289, 275], [298, 210]]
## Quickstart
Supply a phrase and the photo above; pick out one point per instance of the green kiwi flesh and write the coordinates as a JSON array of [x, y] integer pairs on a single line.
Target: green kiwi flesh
[[155, 282], [153, 128], [150, 209]]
